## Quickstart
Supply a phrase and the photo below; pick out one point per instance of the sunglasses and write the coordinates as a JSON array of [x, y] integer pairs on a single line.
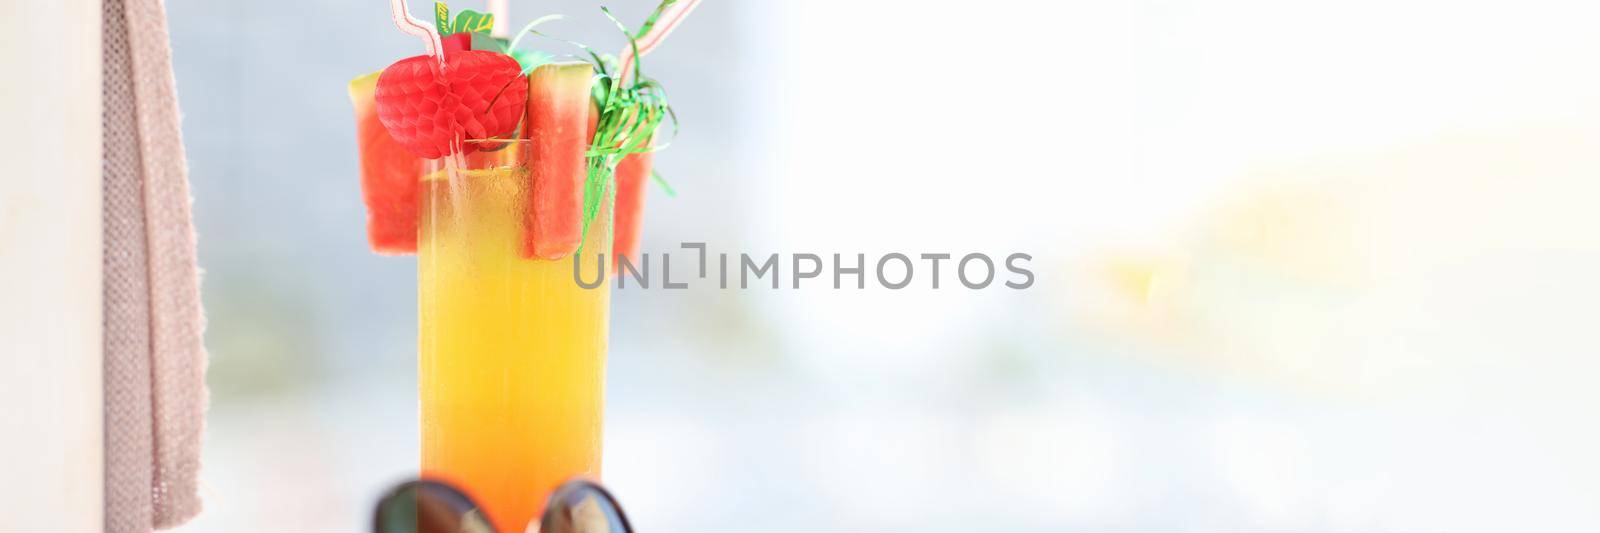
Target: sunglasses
[[430, 506]]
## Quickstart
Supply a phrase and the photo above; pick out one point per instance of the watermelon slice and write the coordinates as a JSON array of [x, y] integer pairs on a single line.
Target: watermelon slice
[[557, 125], [389, 175], [632, 175]]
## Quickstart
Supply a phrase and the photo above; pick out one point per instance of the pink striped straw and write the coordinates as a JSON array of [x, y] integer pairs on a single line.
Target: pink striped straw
[[411, 26], [670, 17]]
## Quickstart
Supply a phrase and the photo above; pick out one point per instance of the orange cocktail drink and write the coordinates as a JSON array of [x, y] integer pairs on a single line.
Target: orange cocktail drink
[[508, 229], [512, 352]]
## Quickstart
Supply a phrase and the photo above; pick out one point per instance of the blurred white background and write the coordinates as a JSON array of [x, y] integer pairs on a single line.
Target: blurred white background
[[1301, 266]]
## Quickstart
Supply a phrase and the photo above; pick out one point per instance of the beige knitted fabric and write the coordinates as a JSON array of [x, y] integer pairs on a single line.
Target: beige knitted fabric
[[154, 360]]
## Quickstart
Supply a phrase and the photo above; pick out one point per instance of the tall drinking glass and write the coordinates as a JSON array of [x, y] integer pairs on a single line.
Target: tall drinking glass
[[512, 348]]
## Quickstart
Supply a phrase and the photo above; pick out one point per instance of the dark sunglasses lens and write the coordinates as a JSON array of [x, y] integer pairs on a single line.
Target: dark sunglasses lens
[[428, 507], [580, 506]]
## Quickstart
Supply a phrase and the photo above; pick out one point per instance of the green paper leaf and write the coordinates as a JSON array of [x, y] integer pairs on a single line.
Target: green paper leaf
[[482, 41], [441, 18], [472, 21]]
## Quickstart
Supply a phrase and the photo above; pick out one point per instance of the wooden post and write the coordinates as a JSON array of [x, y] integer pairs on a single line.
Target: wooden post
[[50, 256]]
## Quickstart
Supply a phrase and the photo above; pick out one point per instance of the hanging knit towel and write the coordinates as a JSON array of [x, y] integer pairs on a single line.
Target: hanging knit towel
[[154, 359]]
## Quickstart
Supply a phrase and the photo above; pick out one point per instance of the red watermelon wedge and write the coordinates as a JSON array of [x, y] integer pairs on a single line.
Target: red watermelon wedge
[[389, 176], [557, 126], [632, 175]]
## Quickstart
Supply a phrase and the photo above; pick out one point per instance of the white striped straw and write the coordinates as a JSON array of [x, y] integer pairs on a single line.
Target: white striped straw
[[670, 18], [411, 26]]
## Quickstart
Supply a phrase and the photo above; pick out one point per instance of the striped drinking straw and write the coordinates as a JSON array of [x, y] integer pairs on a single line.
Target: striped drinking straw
[[670, 18], [411, 26]]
